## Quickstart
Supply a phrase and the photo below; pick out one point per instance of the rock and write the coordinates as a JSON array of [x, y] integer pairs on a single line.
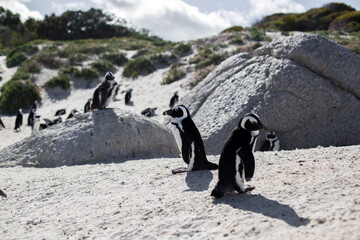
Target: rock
[[111, 135], [305, 88]]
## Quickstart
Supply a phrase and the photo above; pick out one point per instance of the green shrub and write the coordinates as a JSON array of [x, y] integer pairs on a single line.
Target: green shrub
[[15, 59], [18, 94], [118, 59], [86, 73], [173, 75], [256, 34], [212, 59], [102, 66], [69, 70], [77, 58], [256, 45], [237, 39], [159, 59], [141, 65], [32, 66], [233, 29], [49, 59], [182, 49], [62, 81]]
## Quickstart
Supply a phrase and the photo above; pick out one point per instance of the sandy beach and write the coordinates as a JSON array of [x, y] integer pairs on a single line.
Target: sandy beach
[[300, 194]]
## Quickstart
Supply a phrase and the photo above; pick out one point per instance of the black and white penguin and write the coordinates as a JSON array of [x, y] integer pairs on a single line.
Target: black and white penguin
[[32, 114], [116, 92], [237, 163], [3, 194], [189, 140], [35, 105], [57, 120], [128, 96], [271, 142], [72, 113], [149, 112], [36, 124], [1, 124], [60, 112], [174, 99], [87, 106], [104, 92], [18, 120]]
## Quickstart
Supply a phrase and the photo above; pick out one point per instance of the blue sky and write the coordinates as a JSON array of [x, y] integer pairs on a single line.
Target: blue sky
[[175, 20]]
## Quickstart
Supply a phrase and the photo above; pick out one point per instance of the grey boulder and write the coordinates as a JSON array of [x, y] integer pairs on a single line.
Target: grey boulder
[[111, 135]]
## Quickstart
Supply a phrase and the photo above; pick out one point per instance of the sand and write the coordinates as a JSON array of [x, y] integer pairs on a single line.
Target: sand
[[300, 194]]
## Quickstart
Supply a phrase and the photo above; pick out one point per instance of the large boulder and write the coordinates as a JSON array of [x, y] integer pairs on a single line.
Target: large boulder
[[305, 88], [111, 135]]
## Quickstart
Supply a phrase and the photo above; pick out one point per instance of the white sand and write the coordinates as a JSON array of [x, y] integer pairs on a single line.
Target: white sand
[[302, 194]]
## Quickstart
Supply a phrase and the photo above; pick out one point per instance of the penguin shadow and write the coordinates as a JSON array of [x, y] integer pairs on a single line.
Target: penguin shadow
[[198, 181], [267, 207]]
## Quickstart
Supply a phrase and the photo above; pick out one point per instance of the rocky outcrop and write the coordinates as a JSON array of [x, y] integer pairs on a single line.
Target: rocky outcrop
[[111, 135], [305, 88]]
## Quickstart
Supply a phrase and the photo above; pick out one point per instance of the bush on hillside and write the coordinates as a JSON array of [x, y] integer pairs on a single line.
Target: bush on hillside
[[135, 67], [118, 59], [182, 49], [49, 59], [15, 59], [62, 81], [233, 29], [18, 94], [86, 73], [347, 22], [173, 75], [102, 66]]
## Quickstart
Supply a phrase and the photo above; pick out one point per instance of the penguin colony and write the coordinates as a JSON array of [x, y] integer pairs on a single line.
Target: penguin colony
[[236, 164]]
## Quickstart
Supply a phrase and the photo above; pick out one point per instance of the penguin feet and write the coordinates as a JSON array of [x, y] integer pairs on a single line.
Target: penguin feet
[[217, 193]]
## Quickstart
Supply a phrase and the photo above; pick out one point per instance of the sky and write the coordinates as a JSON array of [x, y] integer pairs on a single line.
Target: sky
[[175, 20]]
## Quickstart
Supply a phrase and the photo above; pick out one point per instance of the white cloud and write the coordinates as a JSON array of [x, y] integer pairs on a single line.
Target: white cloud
[[60, 8], [20, 8]]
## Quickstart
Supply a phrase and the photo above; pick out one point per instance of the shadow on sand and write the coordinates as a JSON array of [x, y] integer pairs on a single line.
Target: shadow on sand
[[264, 206], [198, 181]]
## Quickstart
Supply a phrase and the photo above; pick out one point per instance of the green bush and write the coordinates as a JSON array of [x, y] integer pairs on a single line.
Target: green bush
[[182, 49], [141, 65], [102, 66], [159, 59], [173, 75], [212, 59], [62, 81], [18, 94], [256, 45], [86, 73], [118, 59], [32, 66], [237, 39], [233, 29], [15, 59], [49, 59]]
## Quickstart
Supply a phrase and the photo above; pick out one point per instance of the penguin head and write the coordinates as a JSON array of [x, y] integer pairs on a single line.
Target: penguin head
[[20, 111], [109, 76], [251, 122], [178, 112], [270, 135]]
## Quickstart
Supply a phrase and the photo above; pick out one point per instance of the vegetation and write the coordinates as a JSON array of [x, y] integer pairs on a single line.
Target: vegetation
[[18, 94], [86, 73], [62, 81], [138, 66], [233, 29], [173, 75], [182, 49], [118, 59]]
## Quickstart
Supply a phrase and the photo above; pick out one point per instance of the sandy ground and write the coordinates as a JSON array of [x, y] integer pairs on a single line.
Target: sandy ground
[[300, 194]]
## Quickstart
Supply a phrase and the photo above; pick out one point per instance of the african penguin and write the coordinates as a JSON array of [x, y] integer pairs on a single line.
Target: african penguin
[[72, 113], [149, 112], [116, 92], [189, 140], [128, 96], [18, 120], [60, 112], [3, 194], [31, 117], [237, 163], [104, 92], [1, 124], [271, 142], [87, 105], [174, 99]]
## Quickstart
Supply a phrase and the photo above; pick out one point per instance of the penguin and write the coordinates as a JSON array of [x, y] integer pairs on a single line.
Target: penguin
[[174, 99], [31, 117], [72, 113], [149, 112], [60, 112], [189, 140], [36, 124], [87, 106], [271, 142], [237, 163], [128, 96], [1, 124], [2, 194], [104, 92], [35, 106], [18, 120], [57, 120], [116, 92]]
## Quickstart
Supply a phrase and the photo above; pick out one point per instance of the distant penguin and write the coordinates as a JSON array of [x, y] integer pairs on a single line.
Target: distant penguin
[[189, 140], [57, 120], [60, 112], [87, 106], [104, 92], [237, 163], [3, 194], [174, 99], [18, 120], [116, 92], [72, 113], [271, 142], [149, 112], [128, 96], [31, 117], [1, 124], [35, 106], [36, 124]]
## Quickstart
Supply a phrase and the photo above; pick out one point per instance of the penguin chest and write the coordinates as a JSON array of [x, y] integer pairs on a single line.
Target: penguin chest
[[176, 129], [111, 93]]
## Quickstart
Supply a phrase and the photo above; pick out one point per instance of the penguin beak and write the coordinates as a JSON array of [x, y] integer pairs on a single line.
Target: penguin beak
[[168, 112]]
